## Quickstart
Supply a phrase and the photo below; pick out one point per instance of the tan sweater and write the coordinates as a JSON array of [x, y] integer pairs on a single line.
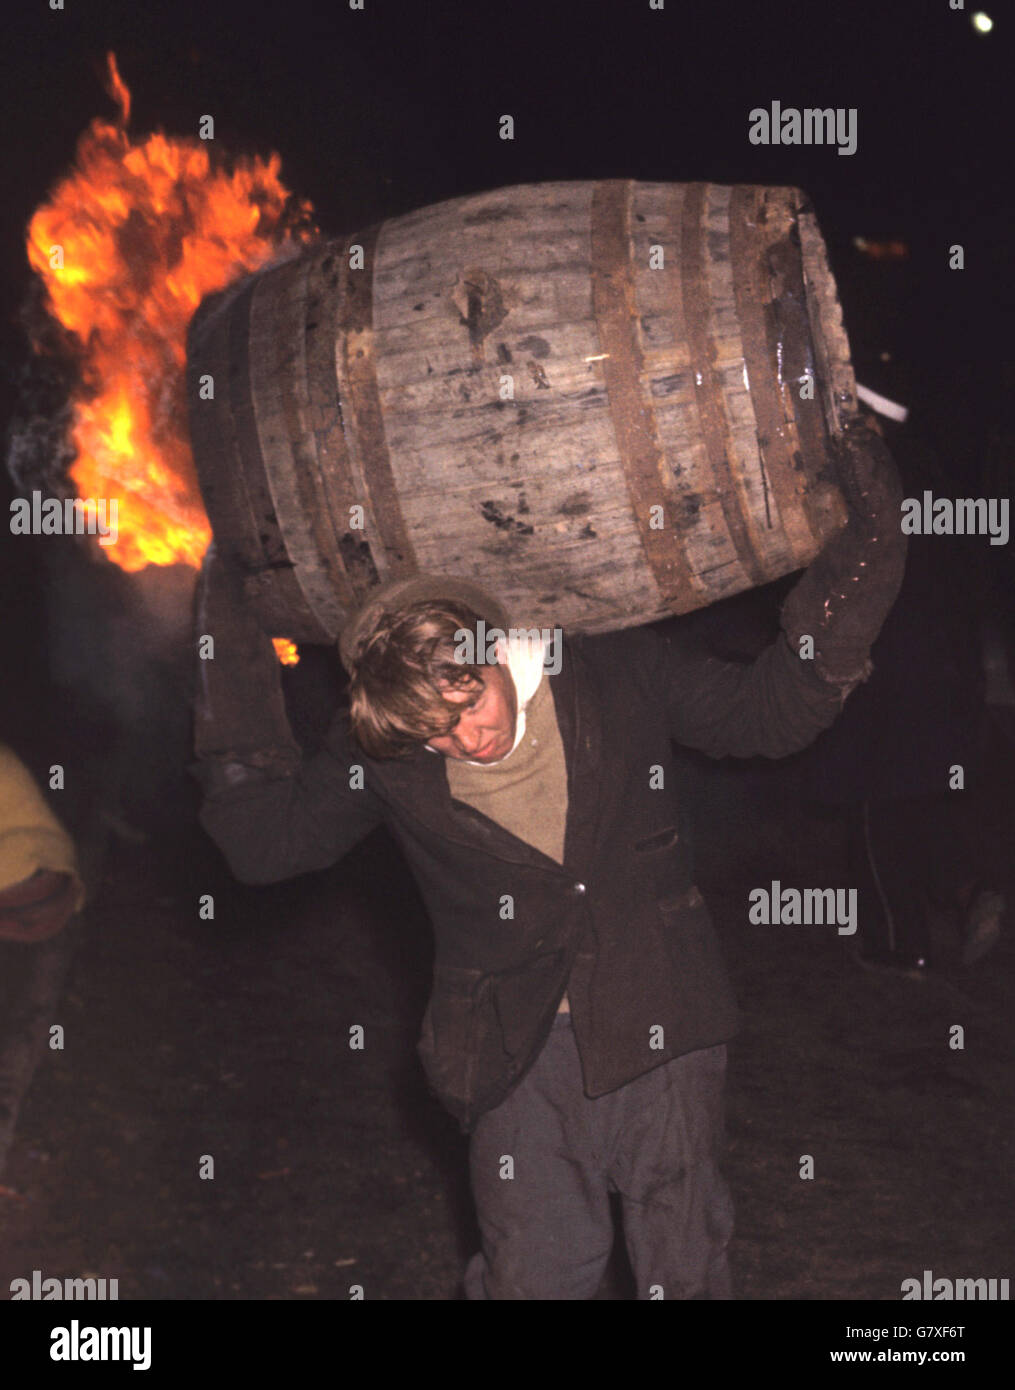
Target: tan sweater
[[526, 792]]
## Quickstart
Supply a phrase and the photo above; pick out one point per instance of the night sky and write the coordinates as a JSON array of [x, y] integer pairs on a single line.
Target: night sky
[[382, 110]]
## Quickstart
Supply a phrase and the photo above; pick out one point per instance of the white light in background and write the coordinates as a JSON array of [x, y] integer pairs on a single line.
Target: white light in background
[[982, 23]]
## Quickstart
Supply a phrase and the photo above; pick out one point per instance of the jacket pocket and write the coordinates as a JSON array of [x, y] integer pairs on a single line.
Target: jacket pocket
[[662, 839], [449, 1034], [521, 997], [663, 860], [707, 1006]]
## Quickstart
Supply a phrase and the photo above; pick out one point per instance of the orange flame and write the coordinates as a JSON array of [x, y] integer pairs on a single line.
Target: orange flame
[[128, 245], [286, 651], [118, 90]]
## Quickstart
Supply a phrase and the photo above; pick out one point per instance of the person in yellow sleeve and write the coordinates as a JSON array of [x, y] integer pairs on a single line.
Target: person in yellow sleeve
[[40, 885]]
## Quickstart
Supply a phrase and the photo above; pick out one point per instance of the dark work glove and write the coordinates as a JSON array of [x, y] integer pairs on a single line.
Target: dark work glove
[[846, 593], [241, 730]]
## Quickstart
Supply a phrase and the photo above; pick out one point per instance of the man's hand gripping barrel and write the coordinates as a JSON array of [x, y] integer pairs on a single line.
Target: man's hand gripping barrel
[[846, 593]]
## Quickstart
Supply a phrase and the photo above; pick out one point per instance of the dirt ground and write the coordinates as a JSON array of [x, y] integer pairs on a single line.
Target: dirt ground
[[229, 1038]]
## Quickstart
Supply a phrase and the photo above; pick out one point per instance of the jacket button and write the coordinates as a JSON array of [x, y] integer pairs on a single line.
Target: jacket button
[[577, 889]]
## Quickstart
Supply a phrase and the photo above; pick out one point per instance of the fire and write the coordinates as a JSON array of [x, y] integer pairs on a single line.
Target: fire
[[128, 245], [286, 651]]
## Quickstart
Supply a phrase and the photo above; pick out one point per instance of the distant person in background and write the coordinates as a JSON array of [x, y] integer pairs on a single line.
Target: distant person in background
[[41, 891], [891, 760], [40, 886]]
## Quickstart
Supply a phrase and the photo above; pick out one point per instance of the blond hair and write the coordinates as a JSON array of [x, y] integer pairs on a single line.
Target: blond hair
[[400, 669]]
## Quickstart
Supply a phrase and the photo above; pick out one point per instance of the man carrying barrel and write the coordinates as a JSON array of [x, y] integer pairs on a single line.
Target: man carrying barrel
[[580, 1007]]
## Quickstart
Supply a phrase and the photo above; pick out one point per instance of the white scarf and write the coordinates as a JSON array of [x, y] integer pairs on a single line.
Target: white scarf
[[525, 662]]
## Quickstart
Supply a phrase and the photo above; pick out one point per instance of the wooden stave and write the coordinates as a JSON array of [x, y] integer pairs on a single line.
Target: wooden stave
[[391, 334]]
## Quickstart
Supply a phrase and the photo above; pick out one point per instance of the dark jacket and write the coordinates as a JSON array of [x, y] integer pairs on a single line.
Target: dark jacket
[[619, 924]]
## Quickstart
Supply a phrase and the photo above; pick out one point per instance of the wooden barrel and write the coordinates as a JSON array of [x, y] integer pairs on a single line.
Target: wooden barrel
[[608, 402]]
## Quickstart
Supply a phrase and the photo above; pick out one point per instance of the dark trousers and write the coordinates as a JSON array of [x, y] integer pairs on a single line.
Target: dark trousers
[[544, 1162]]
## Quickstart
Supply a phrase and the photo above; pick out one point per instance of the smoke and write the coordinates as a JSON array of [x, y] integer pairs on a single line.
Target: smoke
[[110, 650], [38, 445]]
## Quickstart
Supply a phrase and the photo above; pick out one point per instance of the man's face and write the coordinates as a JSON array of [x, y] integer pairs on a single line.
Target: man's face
[[486, 731]]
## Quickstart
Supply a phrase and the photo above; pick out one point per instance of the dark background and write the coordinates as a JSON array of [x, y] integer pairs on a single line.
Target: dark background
[[334, 1172], [380, 111]]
